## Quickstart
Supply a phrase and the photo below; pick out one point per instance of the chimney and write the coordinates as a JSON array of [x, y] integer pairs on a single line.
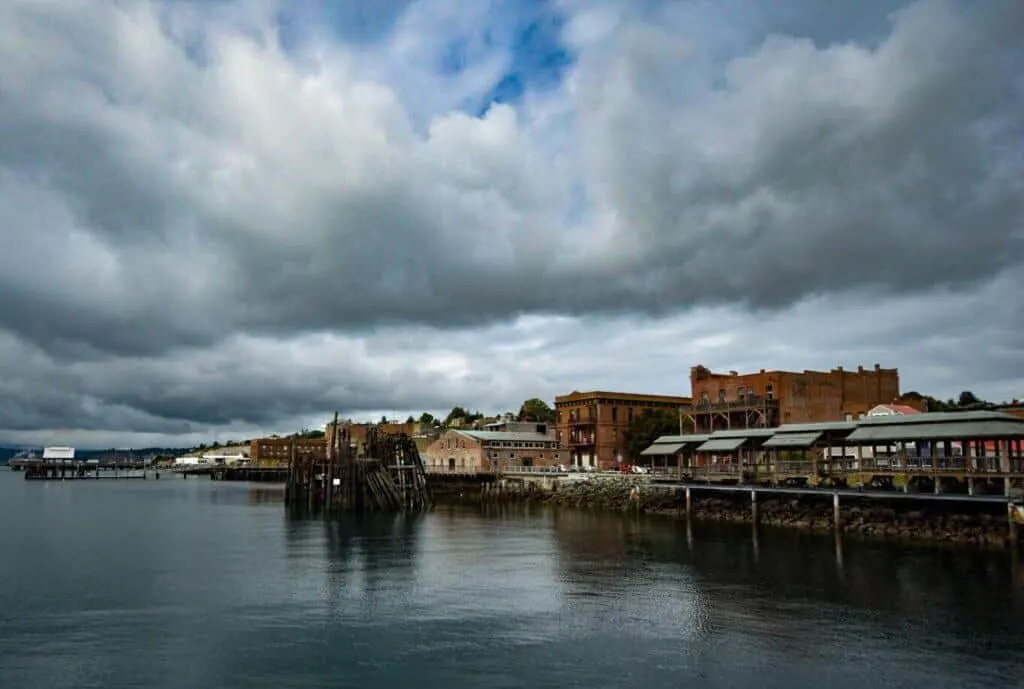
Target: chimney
[[762, 371], [733, 373], [839, 368], [878, 367]]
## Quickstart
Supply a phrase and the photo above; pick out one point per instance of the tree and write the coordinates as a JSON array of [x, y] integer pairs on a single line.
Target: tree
[[427, 419], [648, 426], [967, 399], [456, 413], [410, 419], [536, 409]]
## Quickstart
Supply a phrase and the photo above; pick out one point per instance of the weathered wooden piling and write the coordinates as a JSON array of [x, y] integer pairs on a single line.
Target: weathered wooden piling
[[388, 476]]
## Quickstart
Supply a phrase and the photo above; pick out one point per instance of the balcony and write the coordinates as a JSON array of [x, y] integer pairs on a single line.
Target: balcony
[[582, 422], [752, 402], [581, 441]]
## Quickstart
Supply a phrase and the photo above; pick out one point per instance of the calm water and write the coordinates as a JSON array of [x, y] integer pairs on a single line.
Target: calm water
[[179, 584]]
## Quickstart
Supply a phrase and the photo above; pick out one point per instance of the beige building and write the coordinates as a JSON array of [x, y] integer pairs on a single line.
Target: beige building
[[278, 451], [484, 451]]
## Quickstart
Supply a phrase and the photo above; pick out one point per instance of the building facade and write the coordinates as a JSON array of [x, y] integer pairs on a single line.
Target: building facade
[[594, 426], [279, 450], [487, 451], [770, 398]]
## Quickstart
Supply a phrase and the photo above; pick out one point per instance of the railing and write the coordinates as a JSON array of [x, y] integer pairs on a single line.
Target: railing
[[533, 470], [458, 471], [837, 465], [753, 402], [718, 470], [943, 463]]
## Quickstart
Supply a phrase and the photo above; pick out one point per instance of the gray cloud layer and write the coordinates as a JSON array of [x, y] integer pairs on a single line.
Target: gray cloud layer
[[179, 202]]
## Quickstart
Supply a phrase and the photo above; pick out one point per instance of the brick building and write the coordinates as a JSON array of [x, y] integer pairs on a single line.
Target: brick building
[[357, 431], [474, 451], [279, 450], [771, 398], [594, 425]]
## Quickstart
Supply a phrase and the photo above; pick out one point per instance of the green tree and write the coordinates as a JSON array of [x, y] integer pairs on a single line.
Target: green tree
[[410, 419], [427, 419], [648, 426], [536, 409], [456, 413], [968, 399]]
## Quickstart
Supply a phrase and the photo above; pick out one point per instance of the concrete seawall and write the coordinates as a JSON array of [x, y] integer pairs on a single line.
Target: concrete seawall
[[905, 518]]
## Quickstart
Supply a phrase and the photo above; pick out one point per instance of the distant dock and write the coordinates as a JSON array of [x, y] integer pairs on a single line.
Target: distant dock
[[49, 470]]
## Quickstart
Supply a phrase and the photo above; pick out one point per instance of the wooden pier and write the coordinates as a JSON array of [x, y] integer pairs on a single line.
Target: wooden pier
[[64, 470], [388, 476]]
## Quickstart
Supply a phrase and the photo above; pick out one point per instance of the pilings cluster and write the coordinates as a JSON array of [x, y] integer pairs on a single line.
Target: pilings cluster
[[388, 475]]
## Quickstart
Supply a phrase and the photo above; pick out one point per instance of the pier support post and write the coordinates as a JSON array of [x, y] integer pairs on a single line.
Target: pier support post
[[837, 520], [1012, 525], [689, 503], [1006, 486], [753, 506], [970, 486], [937, 482]]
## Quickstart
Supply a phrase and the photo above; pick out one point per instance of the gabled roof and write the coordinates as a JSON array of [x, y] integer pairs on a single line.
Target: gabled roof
[[895, 409]]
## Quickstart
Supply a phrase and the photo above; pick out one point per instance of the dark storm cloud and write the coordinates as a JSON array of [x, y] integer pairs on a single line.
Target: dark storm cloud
[[810, 170], [155, 205]]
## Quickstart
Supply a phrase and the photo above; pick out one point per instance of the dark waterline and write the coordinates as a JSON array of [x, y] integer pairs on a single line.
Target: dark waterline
[[203, 584]]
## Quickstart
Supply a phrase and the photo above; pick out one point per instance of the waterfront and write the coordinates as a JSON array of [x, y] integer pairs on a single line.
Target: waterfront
[[210, 584]]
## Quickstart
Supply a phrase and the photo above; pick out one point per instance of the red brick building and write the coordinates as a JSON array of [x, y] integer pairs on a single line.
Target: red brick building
[[593, 425], [772, 398]]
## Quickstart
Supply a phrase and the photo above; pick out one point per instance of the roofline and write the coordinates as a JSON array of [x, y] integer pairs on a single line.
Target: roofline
[[777, 371], [626, 396]]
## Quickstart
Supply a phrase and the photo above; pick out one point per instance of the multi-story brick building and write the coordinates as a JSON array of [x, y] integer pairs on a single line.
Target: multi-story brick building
[[594, 425], [771, 398], [279, 450], [484, 451]]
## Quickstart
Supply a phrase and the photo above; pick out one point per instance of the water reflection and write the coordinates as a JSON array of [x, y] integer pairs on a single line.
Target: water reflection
[[782, 583]]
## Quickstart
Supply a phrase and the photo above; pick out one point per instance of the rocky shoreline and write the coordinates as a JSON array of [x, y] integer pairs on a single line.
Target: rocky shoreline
[[906, 520]]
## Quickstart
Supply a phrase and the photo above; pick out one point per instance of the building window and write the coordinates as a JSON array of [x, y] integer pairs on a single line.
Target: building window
[[629, 415], [615, 414], [741, 393], [769, 393], [721, 395]]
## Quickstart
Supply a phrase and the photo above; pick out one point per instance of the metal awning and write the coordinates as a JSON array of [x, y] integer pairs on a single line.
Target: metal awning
[[797, 440], [954, 430], [663, 449], [722, 445]]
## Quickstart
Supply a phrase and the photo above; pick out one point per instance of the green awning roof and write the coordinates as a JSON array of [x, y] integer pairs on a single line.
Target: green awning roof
[[722, 445], [953, 430], [663, 449], [686, 439], [797, 440]]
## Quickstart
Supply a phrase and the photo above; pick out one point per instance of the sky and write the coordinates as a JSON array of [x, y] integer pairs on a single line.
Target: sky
[[223, 219]]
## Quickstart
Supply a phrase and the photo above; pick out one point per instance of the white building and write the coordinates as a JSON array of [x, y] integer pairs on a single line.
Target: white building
[[211, 459]]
